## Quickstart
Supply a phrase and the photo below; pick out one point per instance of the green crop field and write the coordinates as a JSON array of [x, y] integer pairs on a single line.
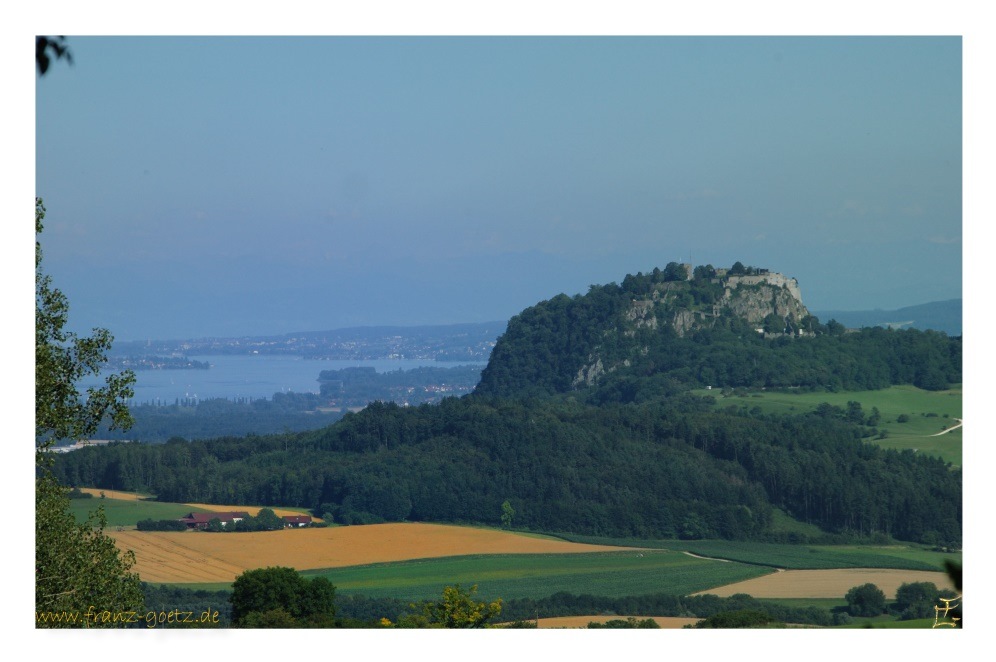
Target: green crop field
[[929, 412], [612, 574], [796, 557], [128, 513], [890, 623]]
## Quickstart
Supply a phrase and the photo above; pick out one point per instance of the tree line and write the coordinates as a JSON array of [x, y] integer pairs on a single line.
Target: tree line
[[218, 417]]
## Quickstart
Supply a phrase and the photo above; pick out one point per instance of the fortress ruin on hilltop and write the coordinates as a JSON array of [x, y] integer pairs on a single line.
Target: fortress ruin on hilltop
[[762, 276]]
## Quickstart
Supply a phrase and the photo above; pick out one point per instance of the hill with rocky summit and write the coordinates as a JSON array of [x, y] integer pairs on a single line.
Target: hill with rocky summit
[[683, 326]]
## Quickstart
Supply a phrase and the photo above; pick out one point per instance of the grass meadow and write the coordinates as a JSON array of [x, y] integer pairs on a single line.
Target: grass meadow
[[797, 557], [929, 412], [121, 512]]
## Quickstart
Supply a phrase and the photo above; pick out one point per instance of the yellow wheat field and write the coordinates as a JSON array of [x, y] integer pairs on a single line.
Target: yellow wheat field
[[133, 496], [113, 494], [828, 583], [192, 556], [252, 510]]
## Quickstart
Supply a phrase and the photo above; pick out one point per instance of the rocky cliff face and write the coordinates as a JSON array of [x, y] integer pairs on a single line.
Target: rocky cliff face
[[755, 302], [569, 343], [750, 301]]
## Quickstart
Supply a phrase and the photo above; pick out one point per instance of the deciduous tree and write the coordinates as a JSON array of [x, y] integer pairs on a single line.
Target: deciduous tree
[[457, 609], [268, 597], [61, 359], [916, 600], [507, 514], [77, 568], [865, 600]]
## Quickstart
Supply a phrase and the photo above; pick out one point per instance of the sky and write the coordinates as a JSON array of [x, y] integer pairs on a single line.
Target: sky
[[219, 186]]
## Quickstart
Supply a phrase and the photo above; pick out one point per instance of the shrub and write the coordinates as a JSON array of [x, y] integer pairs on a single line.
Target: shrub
[[742, 618], [865, 600]]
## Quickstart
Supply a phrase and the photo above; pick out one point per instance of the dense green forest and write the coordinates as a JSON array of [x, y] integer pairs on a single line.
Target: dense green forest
[[634, 454]]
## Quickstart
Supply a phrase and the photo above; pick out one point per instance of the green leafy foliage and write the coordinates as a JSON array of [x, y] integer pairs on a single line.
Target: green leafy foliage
[[456, 610], [265, 520], [865, 600], [917, 600], [742, 618], [76, 566], [507, 514], [279, 597]]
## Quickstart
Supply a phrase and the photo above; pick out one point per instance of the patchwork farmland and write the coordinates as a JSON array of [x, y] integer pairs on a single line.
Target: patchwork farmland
[[182, 557], [412, 561]]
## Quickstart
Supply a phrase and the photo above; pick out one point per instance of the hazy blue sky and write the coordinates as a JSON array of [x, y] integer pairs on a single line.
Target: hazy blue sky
[[223, 186]]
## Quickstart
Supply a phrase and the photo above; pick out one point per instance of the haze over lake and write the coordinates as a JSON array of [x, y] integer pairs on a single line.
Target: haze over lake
[[251, 376]]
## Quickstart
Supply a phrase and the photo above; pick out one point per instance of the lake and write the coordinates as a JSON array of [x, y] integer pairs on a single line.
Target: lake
[[251, 376]]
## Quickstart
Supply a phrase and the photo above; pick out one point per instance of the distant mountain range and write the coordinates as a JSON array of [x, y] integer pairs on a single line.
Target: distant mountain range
[[938, 315]]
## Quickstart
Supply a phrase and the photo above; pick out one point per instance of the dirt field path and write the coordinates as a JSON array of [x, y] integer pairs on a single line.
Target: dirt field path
[[953, 427], [828, 583], [192, 556], [707, 558]]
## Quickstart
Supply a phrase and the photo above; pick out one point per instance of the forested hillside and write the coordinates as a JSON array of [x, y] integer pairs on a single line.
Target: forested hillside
[[666, 469], [631, 453]]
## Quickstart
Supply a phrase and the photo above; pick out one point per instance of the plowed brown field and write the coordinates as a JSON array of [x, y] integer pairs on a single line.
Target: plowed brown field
[[828, 583], [190, 556]]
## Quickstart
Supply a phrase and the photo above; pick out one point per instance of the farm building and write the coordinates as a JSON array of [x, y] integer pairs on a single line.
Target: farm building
[[294, 521], [201, 520]]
